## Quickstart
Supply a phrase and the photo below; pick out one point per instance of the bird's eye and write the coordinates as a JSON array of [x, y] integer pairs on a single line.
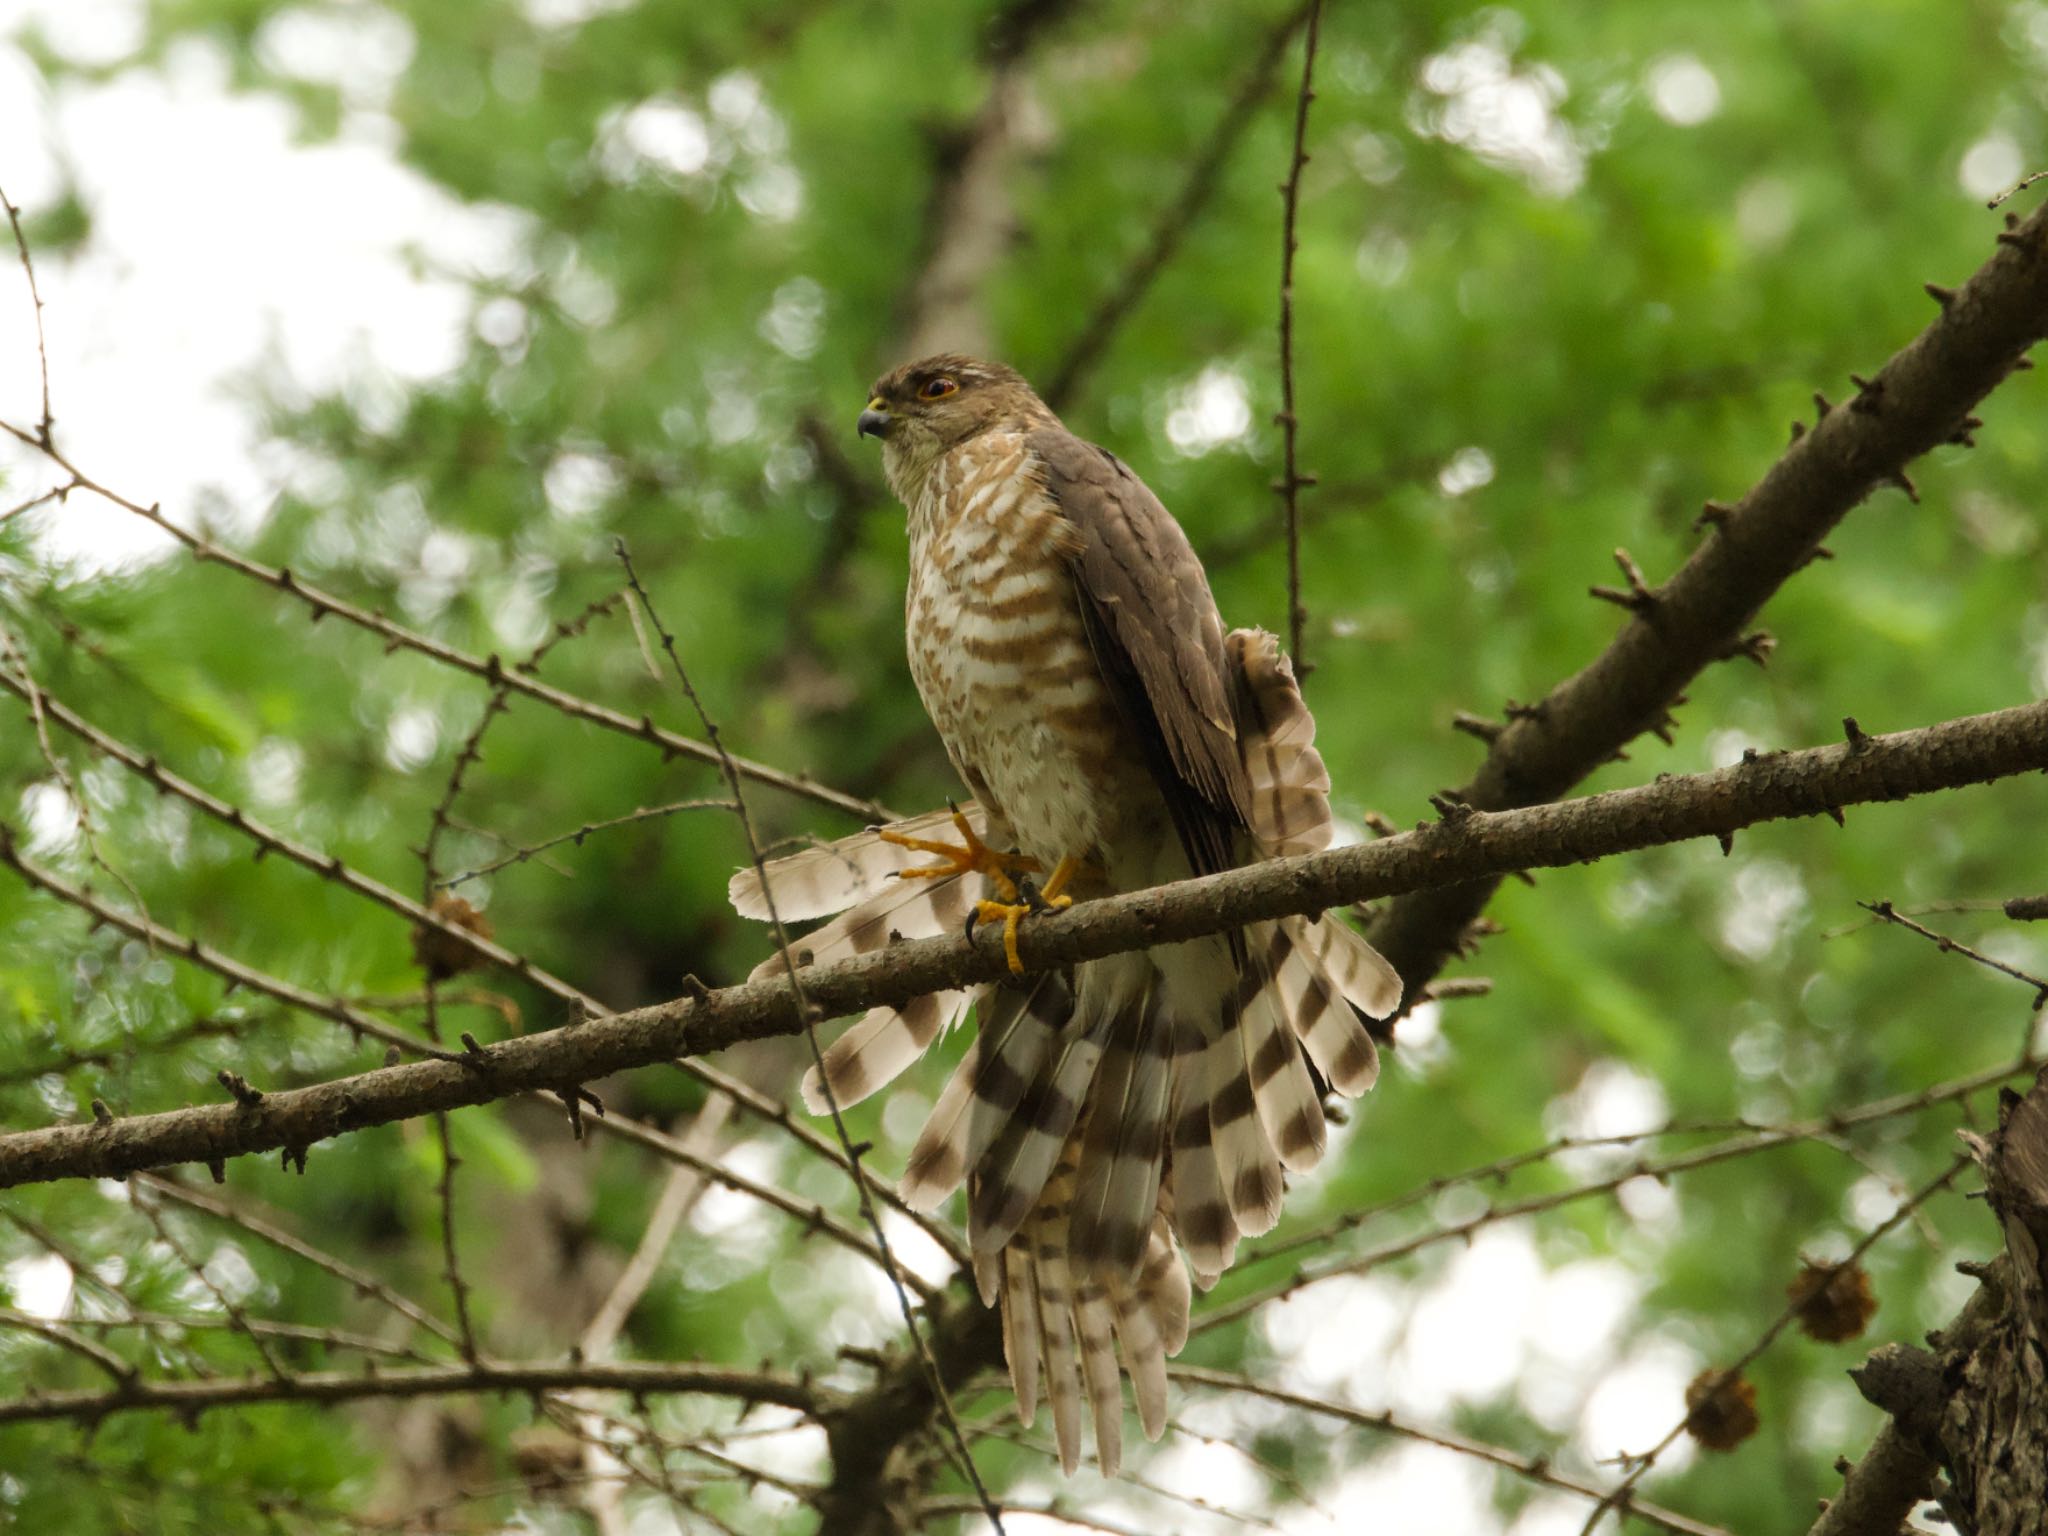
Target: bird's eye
[[938, 389]]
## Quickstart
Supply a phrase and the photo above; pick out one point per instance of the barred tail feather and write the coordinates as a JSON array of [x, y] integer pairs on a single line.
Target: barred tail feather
[[876, 1049], [920, 911], [1020, 1327], [1095, 1331], [1045, 1244], [1202, 1219], [1290, 786], [1152, 1323], [1018, 1030], [1361, 972], [1246, 1161], [821, 881], [1020, 1160], [1117, 1189]]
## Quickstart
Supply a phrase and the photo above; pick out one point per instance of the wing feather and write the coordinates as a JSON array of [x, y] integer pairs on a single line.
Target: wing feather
[[1157, 637]]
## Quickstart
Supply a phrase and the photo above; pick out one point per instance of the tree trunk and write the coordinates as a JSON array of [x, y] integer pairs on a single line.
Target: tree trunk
[[1970, 1417]]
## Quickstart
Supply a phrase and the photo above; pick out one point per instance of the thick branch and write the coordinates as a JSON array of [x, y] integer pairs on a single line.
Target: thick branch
[[1918, 400], [191, 1397], [867, 1432], [1465, 847]]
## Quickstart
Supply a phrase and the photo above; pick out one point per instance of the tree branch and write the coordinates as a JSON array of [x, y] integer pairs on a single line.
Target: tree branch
[[1292, 480], [1466, 846], [193, 1397], [1536, 1469], [1918, 400], [491, 669], [868, 1430], [1205, 171]]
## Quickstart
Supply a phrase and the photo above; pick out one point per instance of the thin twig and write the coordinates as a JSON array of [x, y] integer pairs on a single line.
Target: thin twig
[[809, 1016], [23, 682], [1886, 912], [490, 668], [188, 1397], [28, 267], [361, 1281], [1659, 1169], [685, 1184], [66, 1338], [205, 956], [1291, 478], [329, 867], [1620, 1498], [1536, 1469], [1177, 217], [451, 1264], [227, 1303], [525, 851]]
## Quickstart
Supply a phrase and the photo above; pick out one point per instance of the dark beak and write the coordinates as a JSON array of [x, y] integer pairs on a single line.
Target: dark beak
[[874, 423]]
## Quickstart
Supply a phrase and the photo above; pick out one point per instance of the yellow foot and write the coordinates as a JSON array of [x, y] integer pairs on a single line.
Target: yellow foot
[[969, 856], [1050, 899]]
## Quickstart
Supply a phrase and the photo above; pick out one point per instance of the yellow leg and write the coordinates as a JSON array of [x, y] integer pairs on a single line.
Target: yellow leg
[[1013, 912], [969, 856]]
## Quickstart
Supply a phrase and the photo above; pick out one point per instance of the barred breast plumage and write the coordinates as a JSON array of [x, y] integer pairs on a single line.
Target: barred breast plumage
[[1001, 656]]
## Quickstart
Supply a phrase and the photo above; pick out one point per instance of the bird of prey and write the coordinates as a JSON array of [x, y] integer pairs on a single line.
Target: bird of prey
[[1111, 1117]]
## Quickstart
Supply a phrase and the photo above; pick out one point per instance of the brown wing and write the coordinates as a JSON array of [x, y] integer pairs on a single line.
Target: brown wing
[[1157, 638]]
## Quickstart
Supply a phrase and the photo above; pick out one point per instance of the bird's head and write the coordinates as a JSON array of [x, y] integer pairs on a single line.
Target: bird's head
[[925, 408]]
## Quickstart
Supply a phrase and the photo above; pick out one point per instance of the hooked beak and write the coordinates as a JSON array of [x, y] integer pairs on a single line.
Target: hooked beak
[[875, 421]]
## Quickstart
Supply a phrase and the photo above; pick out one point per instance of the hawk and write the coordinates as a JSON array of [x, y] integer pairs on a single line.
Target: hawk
[[1110, 1118]]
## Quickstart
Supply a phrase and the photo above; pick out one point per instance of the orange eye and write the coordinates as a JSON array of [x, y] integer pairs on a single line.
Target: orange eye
[[938, 389]]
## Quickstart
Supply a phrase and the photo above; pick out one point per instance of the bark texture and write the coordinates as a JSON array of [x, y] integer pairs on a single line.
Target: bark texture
[[1969, 1425]]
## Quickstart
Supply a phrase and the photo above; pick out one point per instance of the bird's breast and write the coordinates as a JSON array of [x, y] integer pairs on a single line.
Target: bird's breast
[[1000, 653]]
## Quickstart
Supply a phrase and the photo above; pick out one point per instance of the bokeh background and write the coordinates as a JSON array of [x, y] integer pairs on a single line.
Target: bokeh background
[[431, 301]]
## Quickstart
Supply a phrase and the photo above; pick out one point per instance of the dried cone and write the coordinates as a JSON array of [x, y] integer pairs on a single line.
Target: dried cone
[[1833, 1305], [441, 956], [1720, 1410]]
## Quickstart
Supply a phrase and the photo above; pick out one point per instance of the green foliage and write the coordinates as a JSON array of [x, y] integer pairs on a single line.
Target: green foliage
[[1514, 356]]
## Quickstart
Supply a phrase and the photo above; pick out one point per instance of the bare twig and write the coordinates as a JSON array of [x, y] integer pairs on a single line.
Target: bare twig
[[46, 421], [234, 1314], [327, 1387], [360, 1280], [490, 668], [206, 956], [1291, 479], [1884, 911], [327, 866], [679, 1192], [338, 1009], [68, 1338], [1536, 1469], [1659, 1169], [525, 851], [1171, 227], [1620, 1499], [809, 1016], [23, 683]]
